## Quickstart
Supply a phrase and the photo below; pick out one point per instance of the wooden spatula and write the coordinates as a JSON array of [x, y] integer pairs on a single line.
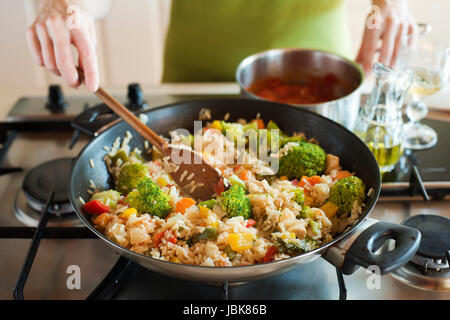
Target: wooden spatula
[[194, 177]]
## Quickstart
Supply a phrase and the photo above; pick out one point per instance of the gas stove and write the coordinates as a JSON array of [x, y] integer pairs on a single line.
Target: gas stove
[[39, 134]]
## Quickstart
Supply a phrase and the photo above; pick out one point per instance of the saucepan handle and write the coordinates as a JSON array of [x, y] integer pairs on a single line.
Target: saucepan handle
[[360, 248]]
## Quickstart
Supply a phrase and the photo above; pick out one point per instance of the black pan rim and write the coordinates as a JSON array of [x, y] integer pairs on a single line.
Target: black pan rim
[[366, 210]]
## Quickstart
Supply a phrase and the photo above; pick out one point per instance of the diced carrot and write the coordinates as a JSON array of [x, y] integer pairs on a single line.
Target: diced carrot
[[304, 183], [307, 182], [102, 219], [314, 180], [184, 204], [260, 123], [244, 175], [237, 168], [343, 174]]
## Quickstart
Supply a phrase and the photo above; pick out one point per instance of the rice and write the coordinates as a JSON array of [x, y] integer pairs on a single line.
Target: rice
[[91, 163], [276, 214]]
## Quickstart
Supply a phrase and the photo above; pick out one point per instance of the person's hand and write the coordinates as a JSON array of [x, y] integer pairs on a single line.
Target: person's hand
[[385, 31], [50, 36]]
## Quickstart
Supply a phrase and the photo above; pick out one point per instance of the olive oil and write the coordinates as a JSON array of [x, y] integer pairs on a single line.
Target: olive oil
[[386, 157]]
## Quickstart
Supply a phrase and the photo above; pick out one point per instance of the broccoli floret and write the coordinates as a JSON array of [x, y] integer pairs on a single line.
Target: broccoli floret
[[345, 192], [296, 139], [235, 202], [149, 198], [304, 159], [299, 196], [129, 176]]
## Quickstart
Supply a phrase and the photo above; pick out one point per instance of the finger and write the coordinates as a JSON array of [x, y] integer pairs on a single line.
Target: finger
[[47, 50], [368, 48], [399, 43], [63, 54], [93, 33], [412, 32], [388, 38], [34, 45], [88, 58]]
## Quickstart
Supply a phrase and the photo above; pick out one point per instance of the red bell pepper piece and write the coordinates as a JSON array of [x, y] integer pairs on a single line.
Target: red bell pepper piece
[[158, 236], [270, 253], [173, 239], [250, 223], [95, 207], [219, 187]]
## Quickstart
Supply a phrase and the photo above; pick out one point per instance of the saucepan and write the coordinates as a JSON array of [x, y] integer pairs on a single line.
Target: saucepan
[[356, 246], [296, 65]]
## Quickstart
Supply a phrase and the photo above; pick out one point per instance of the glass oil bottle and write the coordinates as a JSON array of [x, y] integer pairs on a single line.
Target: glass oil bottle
[[380, 120]]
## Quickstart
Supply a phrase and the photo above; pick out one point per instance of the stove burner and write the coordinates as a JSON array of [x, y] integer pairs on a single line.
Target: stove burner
[[29, 216], [48, 176], [435, 245], [429, 268]]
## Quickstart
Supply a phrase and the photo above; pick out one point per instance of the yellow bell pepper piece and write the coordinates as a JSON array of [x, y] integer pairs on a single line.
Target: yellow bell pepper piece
[[174, 259], [240, 241], [207, 214], [127, 213], [330, 209], [204, 211], [289, 236], [216, 125], [162, 182]]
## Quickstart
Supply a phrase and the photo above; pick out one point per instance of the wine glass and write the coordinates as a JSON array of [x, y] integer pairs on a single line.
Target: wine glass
[[429, 62]]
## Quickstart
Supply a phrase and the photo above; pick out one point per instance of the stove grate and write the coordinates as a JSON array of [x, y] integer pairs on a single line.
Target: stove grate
[[110, 286]]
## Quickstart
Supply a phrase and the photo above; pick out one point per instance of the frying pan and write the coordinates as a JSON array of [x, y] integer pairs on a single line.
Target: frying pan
[[355, 247]]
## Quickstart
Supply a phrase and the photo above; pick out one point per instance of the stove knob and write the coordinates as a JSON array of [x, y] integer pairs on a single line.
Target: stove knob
[[56, 103], [135, 97]]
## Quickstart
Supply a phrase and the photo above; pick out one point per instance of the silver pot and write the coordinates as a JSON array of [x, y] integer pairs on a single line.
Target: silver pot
[[296, 65]]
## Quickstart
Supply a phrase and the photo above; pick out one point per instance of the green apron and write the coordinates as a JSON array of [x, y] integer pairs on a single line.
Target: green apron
[[207, 39]]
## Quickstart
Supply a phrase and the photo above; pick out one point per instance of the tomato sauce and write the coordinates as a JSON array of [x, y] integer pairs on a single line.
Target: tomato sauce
[[315, 90]]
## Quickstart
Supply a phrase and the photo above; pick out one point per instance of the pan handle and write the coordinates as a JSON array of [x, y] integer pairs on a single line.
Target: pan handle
[[360, 248]]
